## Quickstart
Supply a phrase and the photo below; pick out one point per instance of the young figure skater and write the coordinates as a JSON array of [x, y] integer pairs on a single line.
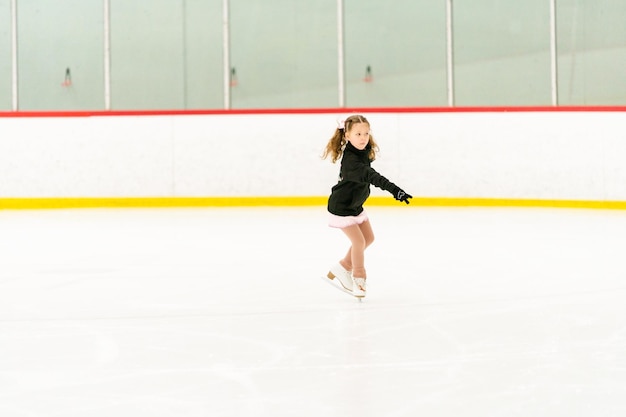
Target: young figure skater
[[357, 149]]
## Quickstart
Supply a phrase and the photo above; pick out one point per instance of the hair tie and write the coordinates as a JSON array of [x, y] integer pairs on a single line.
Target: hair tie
[[341, 124]]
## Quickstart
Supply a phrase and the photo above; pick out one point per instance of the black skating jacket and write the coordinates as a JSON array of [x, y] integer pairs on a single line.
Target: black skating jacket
[[355, 176]]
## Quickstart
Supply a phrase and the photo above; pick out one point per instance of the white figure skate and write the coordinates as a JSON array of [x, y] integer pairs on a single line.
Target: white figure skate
[[340, 278]]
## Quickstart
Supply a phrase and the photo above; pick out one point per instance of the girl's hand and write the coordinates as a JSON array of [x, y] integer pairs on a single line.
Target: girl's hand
[[402, 195]]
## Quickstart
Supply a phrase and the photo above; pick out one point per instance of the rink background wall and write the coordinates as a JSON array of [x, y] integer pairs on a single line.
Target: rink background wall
[[528, 157]]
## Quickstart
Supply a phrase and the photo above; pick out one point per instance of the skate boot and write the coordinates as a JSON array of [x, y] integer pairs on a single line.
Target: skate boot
[[344, 278], [358, 287]]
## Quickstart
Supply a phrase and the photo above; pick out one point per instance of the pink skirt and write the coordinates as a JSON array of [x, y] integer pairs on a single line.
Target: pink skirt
[[341, 222]]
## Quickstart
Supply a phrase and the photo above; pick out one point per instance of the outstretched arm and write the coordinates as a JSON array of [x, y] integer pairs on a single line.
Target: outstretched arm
[[374, 178]]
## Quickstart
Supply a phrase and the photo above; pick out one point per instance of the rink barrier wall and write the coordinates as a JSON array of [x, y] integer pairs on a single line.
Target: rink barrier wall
[[522, 157]]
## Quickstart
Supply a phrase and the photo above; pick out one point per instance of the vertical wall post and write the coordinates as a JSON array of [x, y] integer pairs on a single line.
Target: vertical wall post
[[185, 59], [341, 61], [107, 54], [553, 56], [226, 52], [14, 74], [450, 53]]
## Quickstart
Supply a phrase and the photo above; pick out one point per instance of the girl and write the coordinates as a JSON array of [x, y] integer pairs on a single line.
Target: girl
[[355, 146]]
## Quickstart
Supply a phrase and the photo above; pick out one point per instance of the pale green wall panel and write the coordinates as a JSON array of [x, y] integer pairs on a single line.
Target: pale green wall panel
[[404, 44], [284, 53], [52, 37], [502, 52], [147, 51], [204, 86], [5, 55], [592, 52], [166, 54]]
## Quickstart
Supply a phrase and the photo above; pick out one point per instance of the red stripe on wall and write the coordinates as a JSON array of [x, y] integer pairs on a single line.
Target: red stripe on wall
[[342, 110]]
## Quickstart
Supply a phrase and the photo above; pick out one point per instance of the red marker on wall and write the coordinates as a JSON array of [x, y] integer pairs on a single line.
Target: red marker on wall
[[368, 74], [233, 77], [68, 78]]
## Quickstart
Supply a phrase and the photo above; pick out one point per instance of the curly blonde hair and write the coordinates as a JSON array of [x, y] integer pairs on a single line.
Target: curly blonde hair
[[337, 142]]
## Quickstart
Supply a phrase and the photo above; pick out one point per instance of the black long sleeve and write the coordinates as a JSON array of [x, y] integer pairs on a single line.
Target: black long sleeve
[[353, 188]]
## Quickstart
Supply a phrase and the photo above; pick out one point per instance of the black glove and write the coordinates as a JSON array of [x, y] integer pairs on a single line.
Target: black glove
[[401, 195]]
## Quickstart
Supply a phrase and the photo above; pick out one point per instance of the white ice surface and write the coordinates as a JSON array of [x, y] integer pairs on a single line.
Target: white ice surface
[[223, 312]]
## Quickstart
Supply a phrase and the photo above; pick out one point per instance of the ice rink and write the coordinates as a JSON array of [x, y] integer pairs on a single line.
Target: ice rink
[[223, 312]]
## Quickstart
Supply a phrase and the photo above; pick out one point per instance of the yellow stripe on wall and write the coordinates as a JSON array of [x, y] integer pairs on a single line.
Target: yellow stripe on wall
[[160, 202], [156, 202]]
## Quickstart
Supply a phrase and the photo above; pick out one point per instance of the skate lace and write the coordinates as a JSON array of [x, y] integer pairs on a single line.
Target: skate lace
[[360, 283], [341, 273]]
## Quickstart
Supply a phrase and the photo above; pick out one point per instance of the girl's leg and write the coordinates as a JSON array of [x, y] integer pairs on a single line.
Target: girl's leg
[[361, 236]]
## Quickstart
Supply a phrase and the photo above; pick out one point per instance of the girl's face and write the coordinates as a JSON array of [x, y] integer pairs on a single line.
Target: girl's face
[[359, 135]]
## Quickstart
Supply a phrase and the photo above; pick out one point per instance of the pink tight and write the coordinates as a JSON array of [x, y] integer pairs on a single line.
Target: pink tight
[[361, 236]]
